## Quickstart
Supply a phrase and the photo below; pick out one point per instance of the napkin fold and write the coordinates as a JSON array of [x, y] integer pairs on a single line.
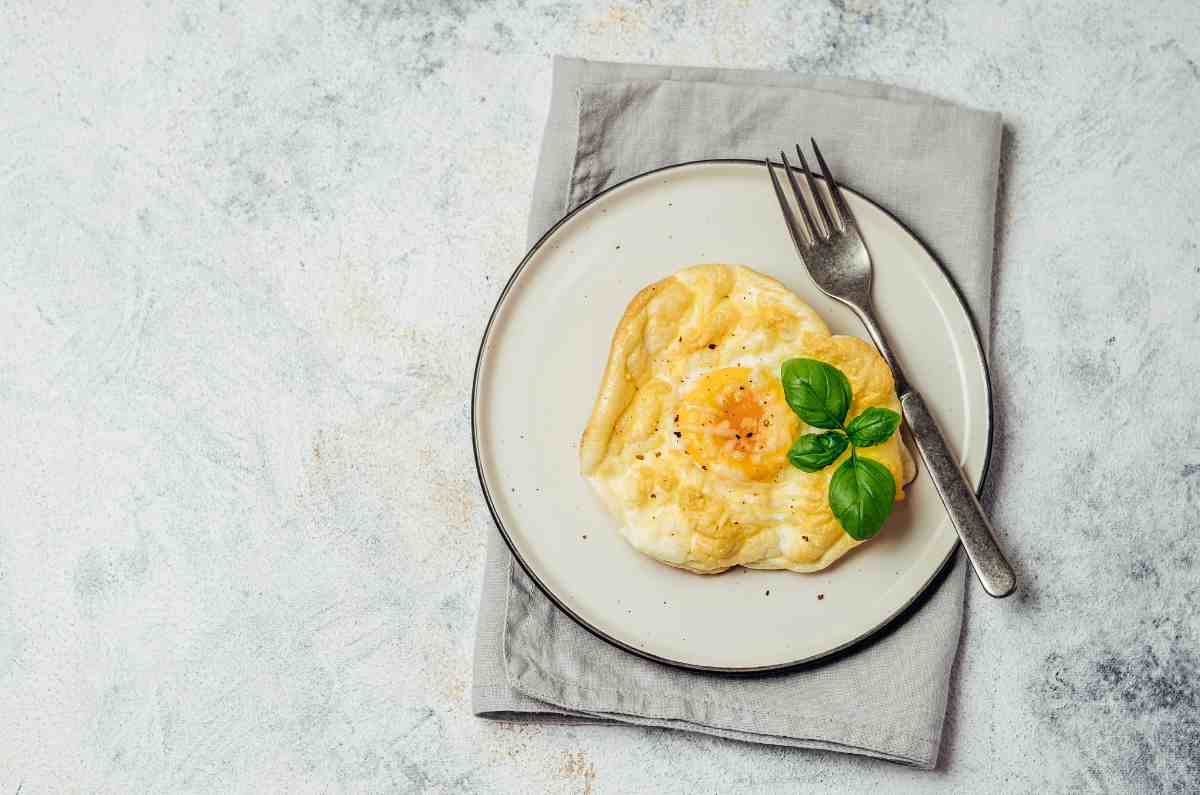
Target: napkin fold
[[934, 165]]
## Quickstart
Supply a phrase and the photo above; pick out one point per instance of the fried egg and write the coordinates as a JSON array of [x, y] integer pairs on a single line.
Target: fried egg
[[687, 442]]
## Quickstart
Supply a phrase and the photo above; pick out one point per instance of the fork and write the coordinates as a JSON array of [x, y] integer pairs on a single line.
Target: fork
[[833, 250]]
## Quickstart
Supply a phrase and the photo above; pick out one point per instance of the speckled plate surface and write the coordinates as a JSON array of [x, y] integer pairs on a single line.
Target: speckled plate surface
[[541, 359]]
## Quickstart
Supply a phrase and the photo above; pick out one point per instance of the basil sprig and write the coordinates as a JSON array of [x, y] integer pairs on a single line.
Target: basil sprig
[[874, 426], [862, 491], [861, 495], [812, 452], [820, 394]]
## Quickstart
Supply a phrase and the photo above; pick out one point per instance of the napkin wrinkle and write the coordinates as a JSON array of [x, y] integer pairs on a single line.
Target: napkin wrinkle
[[685, 715], [645, 704]]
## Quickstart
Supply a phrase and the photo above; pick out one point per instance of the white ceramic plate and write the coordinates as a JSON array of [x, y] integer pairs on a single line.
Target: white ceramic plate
[[539, 367]]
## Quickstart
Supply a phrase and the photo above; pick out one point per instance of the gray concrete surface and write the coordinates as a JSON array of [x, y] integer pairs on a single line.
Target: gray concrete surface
[[245, 257]]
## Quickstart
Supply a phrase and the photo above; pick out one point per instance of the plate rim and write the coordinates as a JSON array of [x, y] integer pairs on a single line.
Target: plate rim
[[852, 645]]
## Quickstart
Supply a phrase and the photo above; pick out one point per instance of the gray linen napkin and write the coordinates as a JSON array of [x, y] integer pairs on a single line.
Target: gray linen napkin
[[931, 163]]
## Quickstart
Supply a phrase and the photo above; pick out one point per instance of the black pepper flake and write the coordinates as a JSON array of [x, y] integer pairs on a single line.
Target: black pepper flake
[[749, 434], [702, 466], [678, 435], [738, 435], [640, 457], [820, 596], [677, 418], [712, 347], [768, 593], [804, 537], [658, 455], [654, 496], [585, 538]]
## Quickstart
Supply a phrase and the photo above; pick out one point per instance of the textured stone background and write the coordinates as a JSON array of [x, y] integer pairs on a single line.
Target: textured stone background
[[245, 259]]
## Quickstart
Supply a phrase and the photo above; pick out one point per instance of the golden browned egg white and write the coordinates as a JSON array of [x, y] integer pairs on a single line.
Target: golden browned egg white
[[687, 443]]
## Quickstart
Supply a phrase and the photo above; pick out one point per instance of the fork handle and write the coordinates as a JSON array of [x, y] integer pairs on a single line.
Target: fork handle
[[974, 529]]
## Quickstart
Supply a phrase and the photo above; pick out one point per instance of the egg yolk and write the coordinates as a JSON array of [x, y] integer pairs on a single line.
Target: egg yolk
[[736, 422]]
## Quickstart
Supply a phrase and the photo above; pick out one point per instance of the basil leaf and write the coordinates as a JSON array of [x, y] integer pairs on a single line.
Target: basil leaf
[[861, 494], [812, 452], [819, 393], [874, 426]]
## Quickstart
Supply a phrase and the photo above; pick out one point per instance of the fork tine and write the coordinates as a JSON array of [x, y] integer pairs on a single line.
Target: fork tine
[[816, 194], [814, 231], [788, 217], [810, 226], [835, 190]]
